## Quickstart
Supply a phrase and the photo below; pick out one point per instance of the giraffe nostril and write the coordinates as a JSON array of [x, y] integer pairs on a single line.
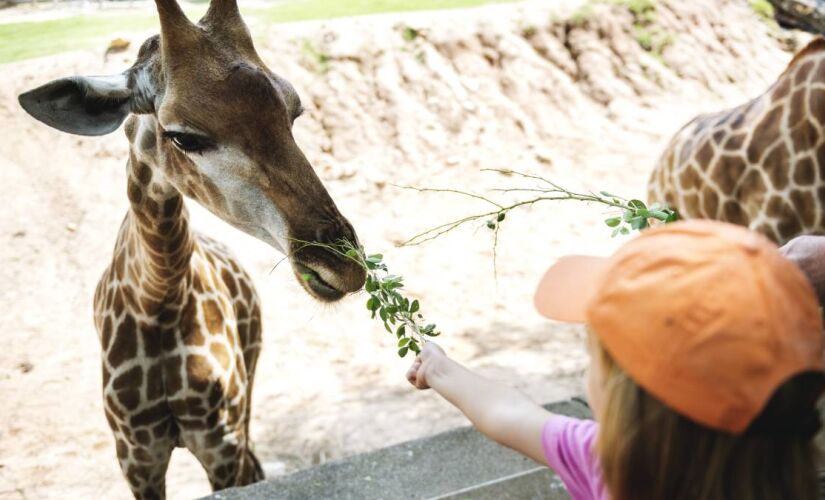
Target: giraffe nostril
[[349, 233], [334, 233], [322, 235]]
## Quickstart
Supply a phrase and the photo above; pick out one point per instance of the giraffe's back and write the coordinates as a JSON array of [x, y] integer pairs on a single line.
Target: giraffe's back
[[760, 164]]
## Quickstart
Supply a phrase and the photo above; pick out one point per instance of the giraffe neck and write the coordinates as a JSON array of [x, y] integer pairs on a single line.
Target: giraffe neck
[[155, 243]]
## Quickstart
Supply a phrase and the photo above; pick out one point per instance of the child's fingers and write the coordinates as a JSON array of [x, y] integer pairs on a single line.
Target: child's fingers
[[420, 381], [412, 373]]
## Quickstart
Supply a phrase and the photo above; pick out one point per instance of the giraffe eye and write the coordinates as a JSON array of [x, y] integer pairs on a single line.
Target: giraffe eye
[[189, 143]]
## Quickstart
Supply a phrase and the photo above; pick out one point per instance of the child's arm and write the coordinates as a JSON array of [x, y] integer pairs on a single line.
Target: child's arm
[[501, 413]]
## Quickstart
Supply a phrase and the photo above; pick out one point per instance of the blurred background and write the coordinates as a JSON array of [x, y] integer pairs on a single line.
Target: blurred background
[[421, 93]]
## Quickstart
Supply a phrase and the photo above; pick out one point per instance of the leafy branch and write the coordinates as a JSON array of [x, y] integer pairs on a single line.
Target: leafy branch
[[400, 315]]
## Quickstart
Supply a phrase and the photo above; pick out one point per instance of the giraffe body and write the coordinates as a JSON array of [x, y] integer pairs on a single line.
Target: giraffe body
[[178, 319], [760, 164], [179, 374]]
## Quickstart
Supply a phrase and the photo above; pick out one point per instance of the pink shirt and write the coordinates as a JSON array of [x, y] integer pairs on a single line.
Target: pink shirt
[[569, 449]]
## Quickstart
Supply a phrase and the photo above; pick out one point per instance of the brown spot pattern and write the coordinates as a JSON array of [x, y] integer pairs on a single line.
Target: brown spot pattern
[[125, 344], [765, 134], [213, 316]]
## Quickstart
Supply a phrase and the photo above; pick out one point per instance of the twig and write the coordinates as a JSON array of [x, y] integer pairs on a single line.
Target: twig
[[631, 214]]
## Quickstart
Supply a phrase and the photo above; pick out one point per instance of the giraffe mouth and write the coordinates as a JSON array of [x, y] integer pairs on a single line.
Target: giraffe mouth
[[315, 285]]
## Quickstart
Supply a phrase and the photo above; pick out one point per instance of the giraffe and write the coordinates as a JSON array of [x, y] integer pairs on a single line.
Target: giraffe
[[760, 164], [178, 319]]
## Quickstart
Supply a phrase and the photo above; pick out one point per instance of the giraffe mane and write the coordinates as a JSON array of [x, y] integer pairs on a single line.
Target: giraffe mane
[[815, 45]]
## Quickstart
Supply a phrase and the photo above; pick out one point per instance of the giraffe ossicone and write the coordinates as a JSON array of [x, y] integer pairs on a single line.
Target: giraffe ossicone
[[179, 320], [760, 164]]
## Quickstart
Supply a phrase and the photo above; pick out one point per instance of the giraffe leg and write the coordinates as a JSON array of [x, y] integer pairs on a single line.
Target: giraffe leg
[[226, 456], [144, 463]]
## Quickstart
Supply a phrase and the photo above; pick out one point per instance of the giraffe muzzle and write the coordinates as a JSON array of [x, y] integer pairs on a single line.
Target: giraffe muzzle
[[316, 285]]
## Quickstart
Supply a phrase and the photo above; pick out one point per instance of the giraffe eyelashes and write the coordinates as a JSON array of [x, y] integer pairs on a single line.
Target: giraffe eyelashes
[[189, 143]]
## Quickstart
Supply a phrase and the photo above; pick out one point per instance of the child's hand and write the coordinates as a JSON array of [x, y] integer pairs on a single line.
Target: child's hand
[[430, 355]]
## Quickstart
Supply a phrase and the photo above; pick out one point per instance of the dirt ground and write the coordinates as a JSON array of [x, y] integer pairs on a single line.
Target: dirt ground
[[564, 91]]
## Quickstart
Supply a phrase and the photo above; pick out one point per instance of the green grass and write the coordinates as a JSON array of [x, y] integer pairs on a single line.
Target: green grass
[[24, 40], [303, 10]]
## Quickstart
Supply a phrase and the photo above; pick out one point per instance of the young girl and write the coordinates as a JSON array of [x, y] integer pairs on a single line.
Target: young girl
[[706, 366]]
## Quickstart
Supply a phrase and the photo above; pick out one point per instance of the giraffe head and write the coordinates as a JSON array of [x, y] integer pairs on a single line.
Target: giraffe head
[[212, 120]]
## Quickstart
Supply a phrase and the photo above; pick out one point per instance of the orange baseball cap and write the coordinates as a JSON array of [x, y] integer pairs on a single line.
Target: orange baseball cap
[[707, 317]]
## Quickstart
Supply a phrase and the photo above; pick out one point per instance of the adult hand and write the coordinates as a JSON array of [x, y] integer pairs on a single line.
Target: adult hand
[[808, 253]]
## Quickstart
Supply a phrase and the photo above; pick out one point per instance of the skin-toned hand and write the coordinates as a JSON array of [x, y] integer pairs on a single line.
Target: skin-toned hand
[[430, 355], [808, 252]]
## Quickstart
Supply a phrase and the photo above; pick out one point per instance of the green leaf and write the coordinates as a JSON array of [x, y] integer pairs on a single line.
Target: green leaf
[[403, 351], [387, 327], [491, 224], [415, 306], [673, 217], [403, 342], [638, 223], [628, 215], [659, 215], [376, 257], [402, 330], [624, 230], [414, 347], [371, 285], [615, 232], [613, 221], [501, 216], [637, 204], [352, 253], [373, 304]]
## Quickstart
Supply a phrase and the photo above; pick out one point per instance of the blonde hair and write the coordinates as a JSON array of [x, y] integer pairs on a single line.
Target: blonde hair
[[649, 452]]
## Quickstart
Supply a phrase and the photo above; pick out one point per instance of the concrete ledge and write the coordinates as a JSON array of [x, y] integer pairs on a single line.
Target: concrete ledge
[[453, 465], [539, 483]]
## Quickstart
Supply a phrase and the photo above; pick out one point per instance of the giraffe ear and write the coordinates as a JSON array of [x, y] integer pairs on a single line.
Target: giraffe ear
[[93, 105]]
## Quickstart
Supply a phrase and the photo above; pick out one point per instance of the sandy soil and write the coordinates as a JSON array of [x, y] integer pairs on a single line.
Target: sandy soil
[[507, 86]]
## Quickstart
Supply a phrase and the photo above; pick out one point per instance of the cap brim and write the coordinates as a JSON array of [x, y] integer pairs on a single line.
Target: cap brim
[[568, 287]]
